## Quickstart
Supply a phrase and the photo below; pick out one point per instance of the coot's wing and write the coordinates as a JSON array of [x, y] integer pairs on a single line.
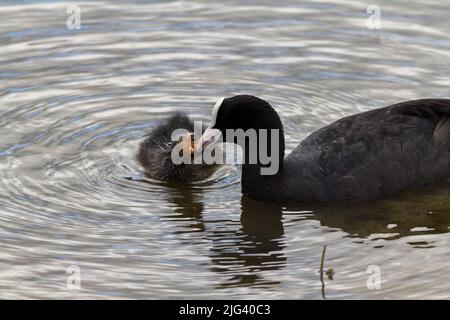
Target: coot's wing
[[379, 152], [434, 110], [442, 131]]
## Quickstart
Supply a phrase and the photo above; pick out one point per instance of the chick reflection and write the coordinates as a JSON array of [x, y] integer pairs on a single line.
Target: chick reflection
[[188, 205], [246, 254]]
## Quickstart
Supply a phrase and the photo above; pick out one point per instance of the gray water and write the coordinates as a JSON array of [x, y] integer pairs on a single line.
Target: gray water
[[74, 105]]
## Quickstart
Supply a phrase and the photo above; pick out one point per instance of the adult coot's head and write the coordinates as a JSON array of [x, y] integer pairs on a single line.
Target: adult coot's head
[[244, 112], [155, 152], [246, 115]]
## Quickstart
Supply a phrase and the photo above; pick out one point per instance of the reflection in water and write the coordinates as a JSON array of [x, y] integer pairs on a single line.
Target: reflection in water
[[188, 205], [242, 254], [257, 248], [245, 253], [411, 213]]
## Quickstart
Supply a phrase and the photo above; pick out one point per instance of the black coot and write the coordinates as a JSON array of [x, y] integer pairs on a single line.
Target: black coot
[[365, 156]]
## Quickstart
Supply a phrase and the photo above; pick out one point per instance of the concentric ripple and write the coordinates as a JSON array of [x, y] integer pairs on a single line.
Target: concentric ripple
[[75, 104]]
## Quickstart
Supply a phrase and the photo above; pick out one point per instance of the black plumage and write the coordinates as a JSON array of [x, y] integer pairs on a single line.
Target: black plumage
[[365, 156], [155, 153]]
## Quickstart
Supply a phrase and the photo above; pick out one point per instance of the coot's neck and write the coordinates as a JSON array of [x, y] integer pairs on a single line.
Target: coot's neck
[[260, 178]]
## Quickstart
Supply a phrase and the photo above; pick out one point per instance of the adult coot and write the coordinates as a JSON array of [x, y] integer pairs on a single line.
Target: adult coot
[[365, 156]]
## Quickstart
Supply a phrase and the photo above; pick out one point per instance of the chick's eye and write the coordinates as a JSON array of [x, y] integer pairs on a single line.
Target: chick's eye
[[172, 144]]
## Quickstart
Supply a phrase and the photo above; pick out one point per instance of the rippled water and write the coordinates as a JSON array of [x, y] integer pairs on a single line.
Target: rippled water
[[74, 105]]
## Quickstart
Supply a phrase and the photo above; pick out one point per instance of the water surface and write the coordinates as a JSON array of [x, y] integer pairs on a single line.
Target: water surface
[[74, 105]]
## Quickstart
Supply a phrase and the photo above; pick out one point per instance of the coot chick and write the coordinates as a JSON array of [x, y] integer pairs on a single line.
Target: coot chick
[[366, 156], [156, 150]]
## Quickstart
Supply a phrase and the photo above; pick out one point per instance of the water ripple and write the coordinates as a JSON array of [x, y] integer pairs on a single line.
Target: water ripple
[[75, 104]]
